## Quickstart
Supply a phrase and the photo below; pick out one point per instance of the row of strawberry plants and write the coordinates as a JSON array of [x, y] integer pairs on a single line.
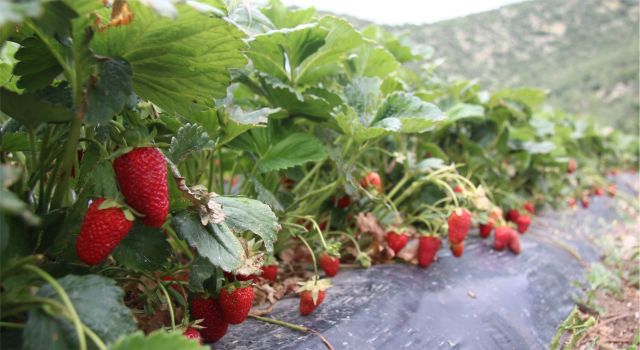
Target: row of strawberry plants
[[152, 153]]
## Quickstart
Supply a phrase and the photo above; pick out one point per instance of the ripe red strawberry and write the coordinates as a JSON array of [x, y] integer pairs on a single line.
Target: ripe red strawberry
[[611, 190], [312, 294], [571, 202], [287, 183], [329, 264], [572, 166], [523, 223], [239, 277], [513, 214], [502, 237], [372, 179], [213, 322], [270, 272], [142, 176], [101, 232], [528, 206], [236, 302], [306, 302], [457, 249], [598, 191], [396, 241], [485, 229], [459, 225], [342, 202], [585, 201], [514, 243], [428, 247], [457, 189], [193, 333]]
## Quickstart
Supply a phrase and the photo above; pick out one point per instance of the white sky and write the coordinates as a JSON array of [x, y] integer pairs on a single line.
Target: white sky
[[402, 11]]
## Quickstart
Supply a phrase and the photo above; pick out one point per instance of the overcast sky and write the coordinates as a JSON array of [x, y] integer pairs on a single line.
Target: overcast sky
[[402, 11]]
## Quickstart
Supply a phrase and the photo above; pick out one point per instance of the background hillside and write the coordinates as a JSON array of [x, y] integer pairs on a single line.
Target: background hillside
[[584, 51]]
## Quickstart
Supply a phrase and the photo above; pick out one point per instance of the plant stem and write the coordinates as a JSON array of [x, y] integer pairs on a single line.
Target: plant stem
[[82, 342], [169, 303], [294, 327], [11, 325], [313, 256], [63, 172]]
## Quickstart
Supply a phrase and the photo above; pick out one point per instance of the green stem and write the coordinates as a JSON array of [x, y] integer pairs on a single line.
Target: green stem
[[169, 303], [399, 185], [82, 342], [308, 176], [64, 170], [11, 325], [31, 259], [294, 327], [313, 256]]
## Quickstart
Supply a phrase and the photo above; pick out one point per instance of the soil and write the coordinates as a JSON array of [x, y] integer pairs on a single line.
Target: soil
[[619, 326]]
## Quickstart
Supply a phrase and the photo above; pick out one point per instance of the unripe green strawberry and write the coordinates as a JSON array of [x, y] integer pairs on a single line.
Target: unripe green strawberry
[[428, 247], [142, 176], [330, 264], [214, 326], [459, 225], [236, 302], [101, 232]]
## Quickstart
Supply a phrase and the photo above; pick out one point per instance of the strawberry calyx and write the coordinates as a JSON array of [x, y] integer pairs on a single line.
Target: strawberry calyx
[[315, 286], [126, 209]]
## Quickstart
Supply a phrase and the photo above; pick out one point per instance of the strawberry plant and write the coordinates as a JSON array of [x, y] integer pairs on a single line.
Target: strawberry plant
[[162, 162]]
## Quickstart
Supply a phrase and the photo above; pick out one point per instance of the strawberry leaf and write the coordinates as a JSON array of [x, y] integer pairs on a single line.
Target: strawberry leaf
[[214, 241], [244, 214], [143, 249], [189, 139], [158, 340], [98, 302], [296, 149]]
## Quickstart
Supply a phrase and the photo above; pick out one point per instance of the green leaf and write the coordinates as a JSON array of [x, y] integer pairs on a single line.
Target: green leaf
[[37, 67], [44, 332], [215, 242], [464, 111], [400, 51], [266, 196], [371, 61], [178, 64], [158, 340], [15, 141], [363, 94], [103, 180], [31, 110], [17, 11], [110, 92], [296, 149], [271, 52], [98, 302], [405, 113], [283, 17], [200, 271], [244, 214], [190, 138], [340, 39], [7, 63], [143, 249], [9, 202], [351, 124], [296, 103]]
